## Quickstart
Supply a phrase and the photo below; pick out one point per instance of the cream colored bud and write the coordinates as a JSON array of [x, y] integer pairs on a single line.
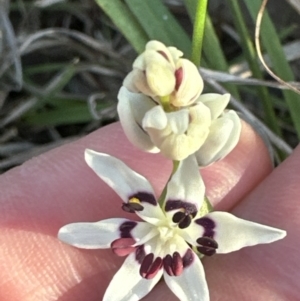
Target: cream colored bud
[[189, 84], [178, 134]]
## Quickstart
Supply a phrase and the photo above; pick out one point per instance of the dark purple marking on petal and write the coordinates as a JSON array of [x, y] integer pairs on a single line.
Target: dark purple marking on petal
[[177, 264], [178, 77], [188, 258], [163, 54], [188, 208], [125, 229], [123, 246], [140, 254], [144, 197], [208, 225], [168, 262]]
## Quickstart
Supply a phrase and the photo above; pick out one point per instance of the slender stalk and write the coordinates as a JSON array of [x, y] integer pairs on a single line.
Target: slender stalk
[[165, 102], [251, 56], [198, 31], [162, 197]]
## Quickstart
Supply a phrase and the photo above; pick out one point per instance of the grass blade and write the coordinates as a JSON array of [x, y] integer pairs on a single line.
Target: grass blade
[[249, 51], [160, 24], [273, 46], [126, 22]]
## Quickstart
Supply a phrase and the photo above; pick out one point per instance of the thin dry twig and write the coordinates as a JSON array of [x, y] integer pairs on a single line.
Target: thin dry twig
[[224, 77], [259, 52]]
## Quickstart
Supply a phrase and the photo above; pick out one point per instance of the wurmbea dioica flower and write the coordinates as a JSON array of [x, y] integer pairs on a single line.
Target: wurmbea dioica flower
[[169, 237], [161, 109]]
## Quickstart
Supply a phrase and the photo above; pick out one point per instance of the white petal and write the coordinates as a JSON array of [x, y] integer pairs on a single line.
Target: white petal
[[179, 121], [171, 53], [126, 183], [97, 235], [186, 187], [155, 118], [191, 284], [159, 73], [175, 53], [178, 134], [127, 284], [143, 232], [233, 233], [136, 82], [215, 102], [234, 136], [131, 109], [219, 133]]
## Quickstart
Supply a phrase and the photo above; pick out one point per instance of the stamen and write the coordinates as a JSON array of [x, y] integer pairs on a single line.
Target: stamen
[[178, 217], [146, 264], [173, 265], [182, 219], [167, 261], [123, 246], [207, 242], [150, 268], [185, 222], [134, 202], [206, 251], [208, 246], [177, 265], [132, 207], [155, 267]]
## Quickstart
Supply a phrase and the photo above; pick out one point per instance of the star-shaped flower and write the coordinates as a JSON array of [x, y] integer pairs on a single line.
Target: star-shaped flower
[[169, 239]]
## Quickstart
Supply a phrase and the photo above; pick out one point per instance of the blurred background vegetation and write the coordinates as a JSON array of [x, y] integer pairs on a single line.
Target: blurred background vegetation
[[62, 63]]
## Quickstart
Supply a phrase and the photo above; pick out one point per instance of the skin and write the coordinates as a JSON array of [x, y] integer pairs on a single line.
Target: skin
[[58, 188]]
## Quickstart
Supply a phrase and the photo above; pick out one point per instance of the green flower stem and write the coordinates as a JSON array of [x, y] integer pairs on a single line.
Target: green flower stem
[[165, 102], [161, 199], [175, 166], [206, 207], [198, 31]]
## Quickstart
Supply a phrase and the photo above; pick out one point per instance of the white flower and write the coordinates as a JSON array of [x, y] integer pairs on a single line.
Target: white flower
[[160, 244], [203, 128], [160, 71]]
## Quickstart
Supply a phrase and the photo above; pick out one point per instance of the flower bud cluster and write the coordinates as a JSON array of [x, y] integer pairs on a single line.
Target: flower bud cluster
[[161, 109]]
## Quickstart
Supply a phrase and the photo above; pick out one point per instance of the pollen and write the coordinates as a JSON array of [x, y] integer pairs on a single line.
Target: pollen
[[134, 200]]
